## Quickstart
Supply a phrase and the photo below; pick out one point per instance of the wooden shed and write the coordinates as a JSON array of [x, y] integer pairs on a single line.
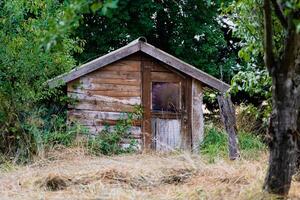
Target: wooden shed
[[169, 90]]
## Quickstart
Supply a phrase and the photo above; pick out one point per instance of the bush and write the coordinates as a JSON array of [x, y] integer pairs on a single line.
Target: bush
[[108, 141], [215, 144]]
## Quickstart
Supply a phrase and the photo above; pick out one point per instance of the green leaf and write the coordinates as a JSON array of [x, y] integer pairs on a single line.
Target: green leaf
[[96, 6]]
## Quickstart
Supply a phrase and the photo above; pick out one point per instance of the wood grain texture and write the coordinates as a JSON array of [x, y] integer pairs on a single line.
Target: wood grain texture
[[101, 98], [99, 115], [94, 118], [165, 77], [146, 102], [108, 93], [166, 134], [89, 67], [197, 115], [124, 65], [103, 87], [134, 131], [99, 103], [227, 113]]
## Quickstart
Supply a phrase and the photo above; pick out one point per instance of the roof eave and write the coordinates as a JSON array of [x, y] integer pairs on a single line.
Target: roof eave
[[184, 67], [140, 44], [93, 65]]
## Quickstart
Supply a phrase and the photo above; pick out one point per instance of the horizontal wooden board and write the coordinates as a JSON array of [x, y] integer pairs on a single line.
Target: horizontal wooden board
[[123, 100], [118, 81], [103, 87], [98, 122], [90, 114], [134, 131], [115, 75], [91, 118], [123, 65], [165, 76], [158, 68], [100, 104], [115, 94]]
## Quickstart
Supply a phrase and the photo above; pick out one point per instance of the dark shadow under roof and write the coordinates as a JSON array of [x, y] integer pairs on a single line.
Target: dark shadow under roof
[[137, 45]]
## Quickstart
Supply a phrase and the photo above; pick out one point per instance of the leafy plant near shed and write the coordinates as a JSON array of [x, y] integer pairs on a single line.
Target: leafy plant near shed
[[108, 141]]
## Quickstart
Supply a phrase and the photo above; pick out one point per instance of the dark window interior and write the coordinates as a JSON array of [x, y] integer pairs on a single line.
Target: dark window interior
[[165, 96]]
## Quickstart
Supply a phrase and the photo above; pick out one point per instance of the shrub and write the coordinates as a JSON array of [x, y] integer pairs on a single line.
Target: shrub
[[108, 141]]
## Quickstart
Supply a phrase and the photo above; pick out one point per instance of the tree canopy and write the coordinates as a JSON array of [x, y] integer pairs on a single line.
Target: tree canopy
[[174, 26]]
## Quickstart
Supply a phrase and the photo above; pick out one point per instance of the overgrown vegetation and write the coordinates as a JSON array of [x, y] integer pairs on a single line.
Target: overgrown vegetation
[[215, 144], [108, 141], [36, 44], [41, 40]]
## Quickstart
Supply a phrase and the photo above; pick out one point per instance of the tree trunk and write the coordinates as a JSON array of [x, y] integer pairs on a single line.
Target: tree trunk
[[227, 113], [285, 95], [282, 132], [283, 122]]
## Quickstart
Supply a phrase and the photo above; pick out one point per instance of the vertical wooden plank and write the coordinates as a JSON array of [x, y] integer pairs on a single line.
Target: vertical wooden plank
[[197, 118], [167, 133], [186, 114], [189, 97], [227, 112], [146, 100]]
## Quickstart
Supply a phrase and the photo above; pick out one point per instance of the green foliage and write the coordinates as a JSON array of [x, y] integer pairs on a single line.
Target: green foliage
[[108, 141], [210, 100], [257, 84], [36, 44], [60, 133], [252, 82], [190, 30], [250, 143], [215, 144]]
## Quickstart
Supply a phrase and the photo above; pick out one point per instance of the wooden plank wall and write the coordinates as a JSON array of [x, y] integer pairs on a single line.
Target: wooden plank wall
[[105, 94], [197, 115]]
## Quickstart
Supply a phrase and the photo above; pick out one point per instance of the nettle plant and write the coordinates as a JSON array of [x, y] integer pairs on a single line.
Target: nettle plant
[[108, 141]]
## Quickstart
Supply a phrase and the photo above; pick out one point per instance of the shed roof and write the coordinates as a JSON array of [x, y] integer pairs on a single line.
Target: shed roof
[[137, 45]]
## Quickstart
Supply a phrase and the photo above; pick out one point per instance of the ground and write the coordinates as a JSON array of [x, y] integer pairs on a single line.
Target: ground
[[72, 174]]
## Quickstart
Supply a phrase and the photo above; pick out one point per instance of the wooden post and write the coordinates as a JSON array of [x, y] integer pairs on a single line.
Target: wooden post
[[227, 113]]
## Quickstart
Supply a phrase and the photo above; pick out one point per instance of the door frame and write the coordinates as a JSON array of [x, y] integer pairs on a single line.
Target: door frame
[[186, 101]]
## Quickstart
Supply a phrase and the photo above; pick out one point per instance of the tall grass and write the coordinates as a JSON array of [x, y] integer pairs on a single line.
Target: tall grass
[[215, 144]]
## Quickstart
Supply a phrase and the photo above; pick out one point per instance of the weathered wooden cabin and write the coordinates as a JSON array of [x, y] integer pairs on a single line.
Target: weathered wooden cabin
[[169, 90]]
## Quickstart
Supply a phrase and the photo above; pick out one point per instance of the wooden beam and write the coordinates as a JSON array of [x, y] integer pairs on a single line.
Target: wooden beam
[[146, 102], [197, 115], [227, 113]]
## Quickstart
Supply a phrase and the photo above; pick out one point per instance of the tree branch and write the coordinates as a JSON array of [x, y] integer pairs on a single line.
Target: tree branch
[[269, 59], [279, 13]]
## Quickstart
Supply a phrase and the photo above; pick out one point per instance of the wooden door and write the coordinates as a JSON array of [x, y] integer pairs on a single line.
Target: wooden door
[[165, 100]]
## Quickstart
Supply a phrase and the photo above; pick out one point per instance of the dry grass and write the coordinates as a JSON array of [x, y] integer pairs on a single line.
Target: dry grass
[[71, 174]]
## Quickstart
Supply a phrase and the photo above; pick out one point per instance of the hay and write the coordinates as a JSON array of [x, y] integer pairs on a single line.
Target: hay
[[53, 182], [177, 176], [143, 176]]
